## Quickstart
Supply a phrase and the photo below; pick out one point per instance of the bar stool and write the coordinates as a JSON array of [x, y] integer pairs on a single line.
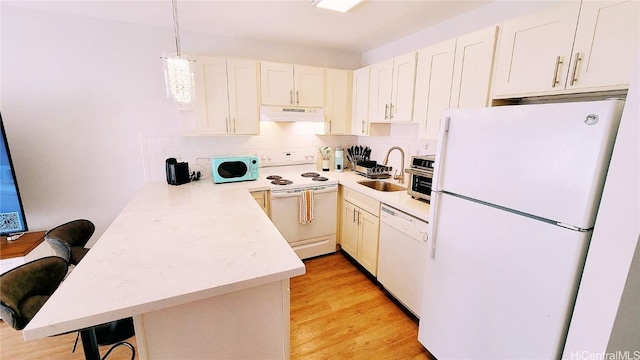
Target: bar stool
[[26, 288], [68, 240]]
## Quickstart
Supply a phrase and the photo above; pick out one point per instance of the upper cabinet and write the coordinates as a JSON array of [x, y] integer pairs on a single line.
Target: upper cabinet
[[226, 96], [391, 86], [453, 74], [573, 47], [338, 108], [292, 85], [360, 102], [606, 45]]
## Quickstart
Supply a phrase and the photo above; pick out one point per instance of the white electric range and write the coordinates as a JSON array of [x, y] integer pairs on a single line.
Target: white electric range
[[291, 173]]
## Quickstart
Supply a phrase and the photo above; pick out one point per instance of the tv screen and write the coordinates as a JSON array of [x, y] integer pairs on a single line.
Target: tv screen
[[12, 218]]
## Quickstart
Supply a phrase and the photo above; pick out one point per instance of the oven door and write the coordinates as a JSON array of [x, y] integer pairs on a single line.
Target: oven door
[[285, 206], [420, 184]]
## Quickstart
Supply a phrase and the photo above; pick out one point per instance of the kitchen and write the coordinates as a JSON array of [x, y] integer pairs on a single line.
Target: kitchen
[[126, 119]]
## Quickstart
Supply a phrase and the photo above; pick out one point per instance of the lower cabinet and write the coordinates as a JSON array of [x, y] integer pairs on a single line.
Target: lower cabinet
[[360, 227], [262, 197]]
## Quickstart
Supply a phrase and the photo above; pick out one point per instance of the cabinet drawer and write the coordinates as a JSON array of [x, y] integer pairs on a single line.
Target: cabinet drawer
[[363, 201]]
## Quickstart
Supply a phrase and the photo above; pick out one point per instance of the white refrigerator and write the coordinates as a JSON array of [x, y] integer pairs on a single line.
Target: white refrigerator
[[516, 194]]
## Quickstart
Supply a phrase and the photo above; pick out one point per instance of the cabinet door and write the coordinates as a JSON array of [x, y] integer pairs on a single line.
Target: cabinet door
[[380, 84], [308, 86], [244, 115], [472, 69], [349, 230], [262, 198], [433, 86], [404, 79], [338, 109], [369, 234], [535, 50], [212, 107], [276, 84], [360, 110], [606, 45]]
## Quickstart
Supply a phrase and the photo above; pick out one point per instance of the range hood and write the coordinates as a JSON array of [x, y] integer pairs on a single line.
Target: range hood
[[283, 113]]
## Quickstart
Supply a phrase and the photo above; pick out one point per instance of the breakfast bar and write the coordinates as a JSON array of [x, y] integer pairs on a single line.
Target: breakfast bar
[[200, 268]]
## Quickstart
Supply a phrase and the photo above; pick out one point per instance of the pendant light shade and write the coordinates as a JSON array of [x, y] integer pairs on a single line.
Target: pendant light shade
[[178, 75], [179, 79]]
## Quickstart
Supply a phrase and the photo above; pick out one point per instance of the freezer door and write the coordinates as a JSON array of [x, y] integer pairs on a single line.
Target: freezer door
[[546, 160], [501, 285]]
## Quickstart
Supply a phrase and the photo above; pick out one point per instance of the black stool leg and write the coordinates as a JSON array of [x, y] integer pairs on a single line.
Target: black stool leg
[[90, 344], [121, 343]]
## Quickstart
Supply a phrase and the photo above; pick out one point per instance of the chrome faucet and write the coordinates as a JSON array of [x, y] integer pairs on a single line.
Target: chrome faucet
[[399, 177]]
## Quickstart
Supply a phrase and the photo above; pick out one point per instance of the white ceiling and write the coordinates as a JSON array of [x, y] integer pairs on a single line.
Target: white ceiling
[[371, 24]]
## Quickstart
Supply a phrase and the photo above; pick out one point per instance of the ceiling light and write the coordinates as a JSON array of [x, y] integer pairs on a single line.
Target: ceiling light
[[336, 5], [178, 74]]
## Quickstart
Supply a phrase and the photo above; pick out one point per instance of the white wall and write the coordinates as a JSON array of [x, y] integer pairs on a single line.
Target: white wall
[[81, 96], [605, 317]]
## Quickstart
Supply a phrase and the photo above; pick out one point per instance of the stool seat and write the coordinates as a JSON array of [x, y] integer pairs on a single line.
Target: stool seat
[[68, 240]]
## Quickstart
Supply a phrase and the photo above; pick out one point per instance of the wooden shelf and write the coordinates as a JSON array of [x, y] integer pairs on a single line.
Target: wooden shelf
[[21, 246]]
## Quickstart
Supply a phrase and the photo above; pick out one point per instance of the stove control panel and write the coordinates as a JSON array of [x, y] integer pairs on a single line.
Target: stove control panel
[[287, 157]]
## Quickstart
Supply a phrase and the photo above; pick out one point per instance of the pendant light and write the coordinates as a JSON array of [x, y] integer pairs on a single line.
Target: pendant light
[[178, 74]]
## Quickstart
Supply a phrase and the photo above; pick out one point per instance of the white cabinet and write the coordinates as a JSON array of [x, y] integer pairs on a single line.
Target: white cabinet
[[226, 96], [264, 200], [292, 85], [434, 76], [606, 45], [360, 228], [391, 87], [453, 74], [338, 107], [567, 49], [360, 109]]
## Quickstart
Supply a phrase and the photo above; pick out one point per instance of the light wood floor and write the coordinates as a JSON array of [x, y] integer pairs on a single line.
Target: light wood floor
[[336, 313]]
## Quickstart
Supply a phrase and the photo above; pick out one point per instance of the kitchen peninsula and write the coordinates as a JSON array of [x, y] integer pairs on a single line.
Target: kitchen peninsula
[[201, 268]]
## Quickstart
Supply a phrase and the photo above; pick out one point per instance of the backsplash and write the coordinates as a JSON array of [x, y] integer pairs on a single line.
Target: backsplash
[[403, 135], [195, 150], [157, 147]]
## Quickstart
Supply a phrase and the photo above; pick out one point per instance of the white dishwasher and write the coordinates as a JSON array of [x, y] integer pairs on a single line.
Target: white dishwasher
[[402, 256]]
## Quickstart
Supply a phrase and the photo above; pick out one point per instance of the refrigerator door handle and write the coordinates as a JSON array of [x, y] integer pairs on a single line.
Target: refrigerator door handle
[[444, 128], [434, 224]]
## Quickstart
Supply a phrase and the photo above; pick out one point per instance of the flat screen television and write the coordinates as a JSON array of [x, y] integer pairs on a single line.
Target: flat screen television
[[12, 219]]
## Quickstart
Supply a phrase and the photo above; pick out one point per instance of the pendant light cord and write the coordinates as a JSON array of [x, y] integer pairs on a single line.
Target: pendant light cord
[[176, 27]]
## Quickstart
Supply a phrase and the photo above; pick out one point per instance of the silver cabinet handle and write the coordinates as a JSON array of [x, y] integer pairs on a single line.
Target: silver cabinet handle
[[574, 78], [363, 128], [329, 126], [358, 217], [354, 215], [386, 109], [555, 73], [291, 97], [297, 97], [226, 125], [391, 111]]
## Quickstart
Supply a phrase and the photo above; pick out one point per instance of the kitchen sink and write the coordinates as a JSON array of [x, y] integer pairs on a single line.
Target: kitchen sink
[[381, 185]]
